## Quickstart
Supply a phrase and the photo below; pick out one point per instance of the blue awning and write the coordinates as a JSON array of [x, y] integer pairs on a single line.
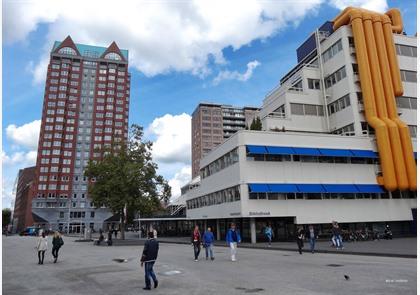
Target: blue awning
[[335, 153], [370, 188], [256, 149], [280, 150], [364, 154], [258, 188], [340, 188], [306, 151], [283, 188], [310, 188]]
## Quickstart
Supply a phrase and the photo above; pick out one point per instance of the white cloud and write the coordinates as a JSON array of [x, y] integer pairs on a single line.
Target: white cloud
[[235, 75], [172, 142], [180, 178], [26, 135], [8, 193], [374, 5], [21, 159], [162, 36]]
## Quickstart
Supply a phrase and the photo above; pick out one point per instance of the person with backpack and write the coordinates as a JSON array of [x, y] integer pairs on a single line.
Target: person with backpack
[[208, 240], [196, 242], [148, 258], [269, 234], [57, 243], [233, 238]]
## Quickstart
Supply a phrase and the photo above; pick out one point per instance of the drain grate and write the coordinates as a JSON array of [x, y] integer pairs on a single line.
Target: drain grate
[[120, 260], [335, 265]]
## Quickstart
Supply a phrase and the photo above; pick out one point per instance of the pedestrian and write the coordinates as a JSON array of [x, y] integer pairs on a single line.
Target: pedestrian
[[208, 240], [232, 239], [42, 246], [109, 241], [299, 239], [337, 236], [269, 234], [387, 233], [196, 242], [57, 242], [148, 258], [312, 235], [154, 233]]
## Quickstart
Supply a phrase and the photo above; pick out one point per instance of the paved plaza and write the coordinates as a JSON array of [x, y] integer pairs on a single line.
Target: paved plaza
[[86, 269]]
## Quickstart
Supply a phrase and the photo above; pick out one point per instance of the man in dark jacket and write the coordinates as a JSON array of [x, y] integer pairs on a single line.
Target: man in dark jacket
[[148, 258]]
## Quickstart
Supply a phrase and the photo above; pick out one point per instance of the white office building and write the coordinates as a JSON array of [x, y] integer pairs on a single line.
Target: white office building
[[316, 159]]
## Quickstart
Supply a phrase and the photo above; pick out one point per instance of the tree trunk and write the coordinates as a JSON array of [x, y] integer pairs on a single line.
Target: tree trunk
[[122, 225]]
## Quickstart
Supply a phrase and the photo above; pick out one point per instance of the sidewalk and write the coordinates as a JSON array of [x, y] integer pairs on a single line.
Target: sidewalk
[[399, 247]]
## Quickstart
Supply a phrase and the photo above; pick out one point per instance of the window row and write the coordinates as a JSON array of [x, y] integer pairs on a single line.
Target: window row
[[406, 102], [228, 195], [335, 77], [346, 130], [44, 169], [312, 159], [408, 76], [406, 50], [63, 187], [333, 50], [331, 196], [306, 109], [339, 104], [220, 164]]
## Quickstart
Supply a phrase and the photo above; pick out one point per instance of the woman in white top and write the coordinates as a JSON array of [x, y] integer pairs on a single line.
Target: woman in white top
[[42, 246]]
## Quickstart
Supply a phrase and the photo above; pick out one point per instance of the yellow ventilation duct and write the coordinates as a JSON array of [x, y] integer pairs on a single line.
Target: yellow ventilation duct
[[381, 83]]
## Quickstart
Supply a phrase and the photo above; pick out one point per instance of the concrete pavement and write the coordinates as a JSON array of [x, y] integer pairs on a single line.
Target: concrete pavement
[[87, 269]]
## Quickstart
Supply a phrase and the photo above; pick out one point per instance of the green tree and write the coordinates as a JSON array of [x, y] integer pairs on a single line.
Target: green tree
[[256, 124], [126, 177], [6, 216]]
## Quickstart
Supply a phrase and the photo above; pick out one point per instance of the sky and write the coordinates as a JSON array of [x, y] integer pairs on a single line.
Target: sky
[[180, 53]]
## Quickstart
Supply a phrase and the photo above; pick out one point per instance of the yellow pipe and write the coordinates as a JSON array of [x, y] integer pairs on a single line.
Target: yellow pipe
[[354, 16], [397, 24], [404, 131], [381, 106], [381, 130], [392, 57]]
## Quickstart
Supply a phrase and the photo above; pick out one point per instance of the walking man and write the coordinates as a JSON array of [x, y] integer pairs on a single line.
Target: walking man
[[196, 242], [148, 258], [299, 239], [232, 239], [57, 243], [269, 234], [208, 239], [337, 236], [312, 235]]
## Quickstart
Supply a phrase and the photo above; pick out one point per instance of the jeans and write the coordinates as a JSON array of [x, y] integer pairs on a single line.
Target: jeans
[[209, 249], [55, 252], [233, 247], [41, 255], [338, 241], [148, 272], [300, 245], [269, 238], [196, 250], [312, 244]]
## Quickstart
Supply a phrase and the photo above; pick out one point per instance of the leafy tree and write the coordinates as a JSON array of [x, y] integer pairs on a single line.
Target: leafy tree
[[126, 177], [6, 216], [256, 124]]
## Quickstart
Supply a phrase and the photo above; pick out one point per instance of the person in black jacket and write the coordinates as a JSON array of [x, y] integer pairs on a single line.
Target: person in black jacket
[[148, 258], [300, 236], [57, 243]]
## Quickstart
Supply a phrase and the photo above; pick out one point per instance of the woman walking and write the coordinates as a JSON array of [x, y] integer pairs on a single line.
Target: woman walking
[[299, 239], [196, 241], [57, 242], [41, 246]]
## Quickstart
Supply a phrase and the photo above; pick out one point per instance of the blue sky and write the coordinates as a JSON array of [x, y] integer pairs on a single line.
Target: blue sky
[[161, 87]]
